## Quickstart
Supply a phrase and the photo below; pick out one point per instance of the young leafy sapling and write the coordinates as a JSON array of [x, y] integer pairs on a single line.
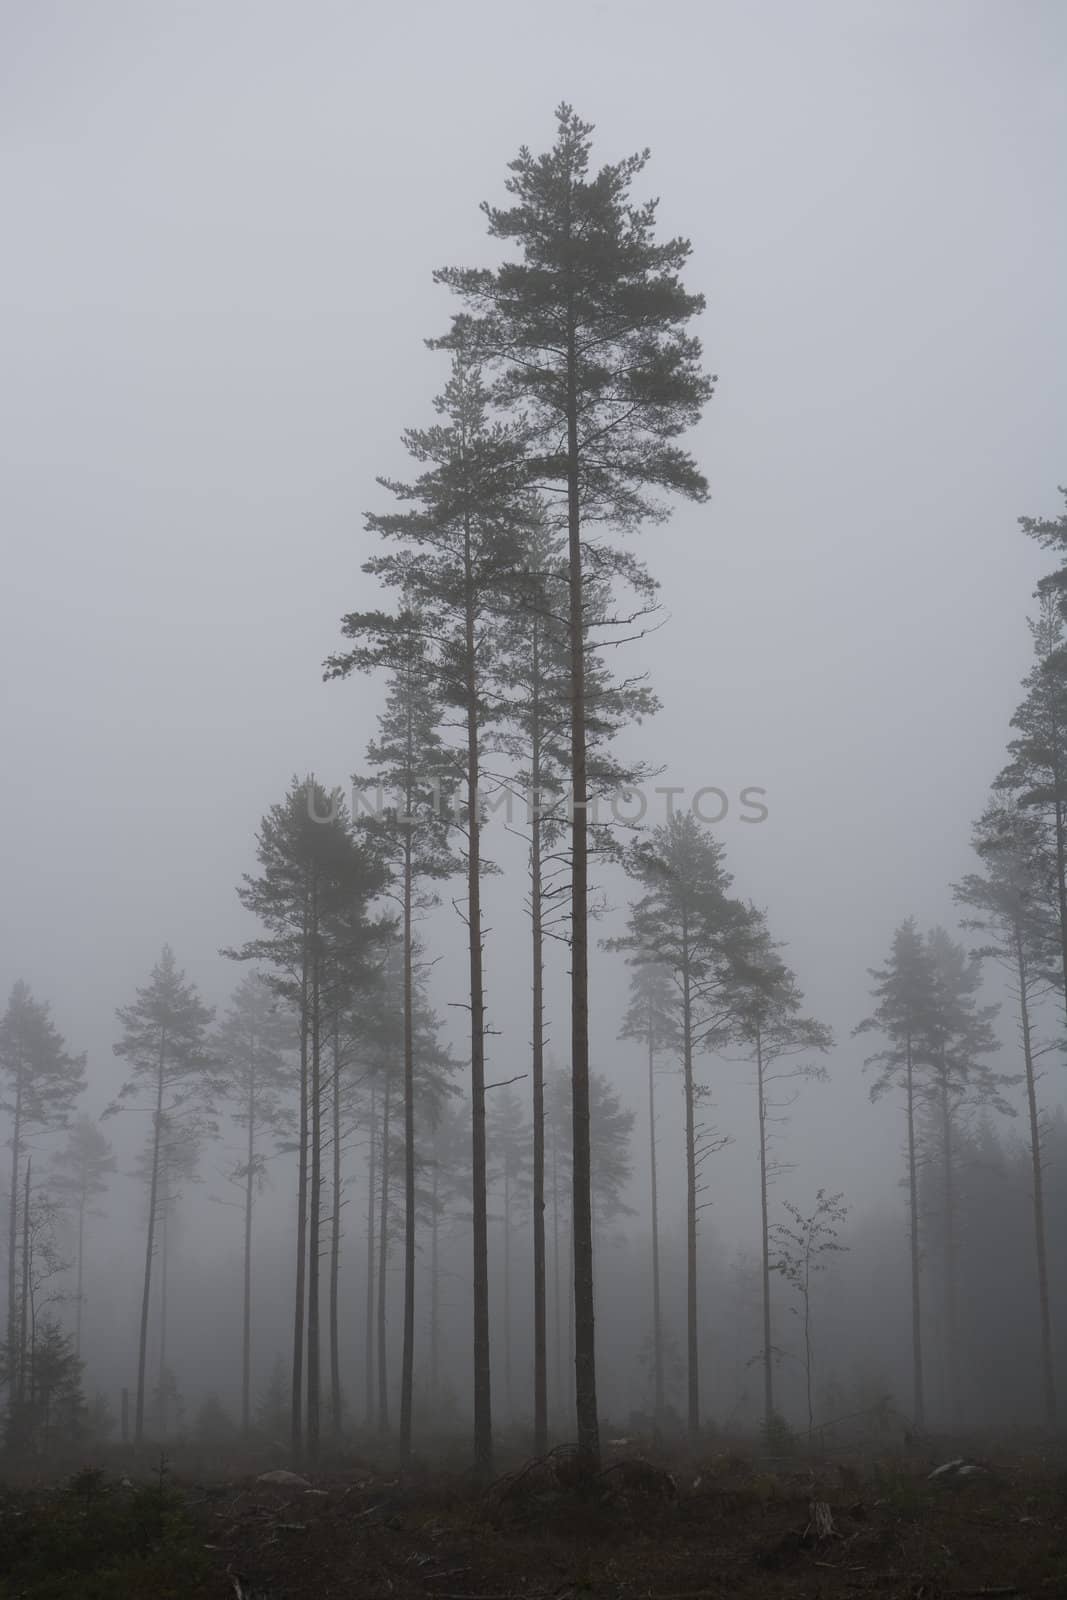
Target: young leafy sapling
[[802, 1245]]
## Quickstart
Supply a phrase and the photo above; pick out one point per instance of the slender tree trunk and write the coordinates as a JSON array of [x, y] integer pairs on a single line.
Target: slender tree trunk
[[246, 1324], [507, 1290], [150, 1244], [807, 1341], [582, 1207], [572, 1381], [368, 1326], [1048, 1377], [300, 1304], [12, 1238], [407, 1372], [163, 1264], [692, 1347], [557, 1303], [26, 1366], [82, 1203], [540, 1328], [765, 1244], [657, 1313], [383, 1262], [435, 1292], [315, 1195], [335, 1241], [918, 1400], [951, 1334], [483, 1420]]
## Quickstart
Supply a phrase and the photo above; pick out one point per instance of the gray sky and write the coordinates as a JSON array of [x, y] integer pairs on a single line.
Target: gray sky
[[221, 222]]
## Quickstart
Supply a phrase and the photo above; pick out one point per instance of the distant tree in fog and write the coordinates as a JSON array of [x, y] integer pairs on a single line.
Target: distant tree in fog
[[959, 1034], [272, 1405], [611, 1128], [1010, 905], [312, 894], [449, 1196], [650, 1021], [254, 1044], [687, 923], [611, 1166], [180, 1148], [50, 1416], [410, 826], [904, 991], [769, 1022], [82, 1169], [508, 1152], [40, 1081], [164, 1040], [378, 1059]]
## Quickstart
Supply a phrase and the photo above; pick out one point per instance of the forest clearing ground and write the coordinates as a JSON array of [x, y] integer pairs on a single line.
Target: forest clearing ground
[[713, 1527]]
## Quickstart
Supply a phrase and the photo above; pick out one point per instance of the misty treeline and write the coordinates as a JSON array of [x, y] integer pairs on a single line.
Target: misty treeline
[[466, 1241]]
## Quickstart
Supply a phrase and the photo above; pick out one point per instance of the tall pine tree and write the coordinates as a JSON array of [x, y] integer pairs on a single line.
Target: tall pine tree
[[587, 330]]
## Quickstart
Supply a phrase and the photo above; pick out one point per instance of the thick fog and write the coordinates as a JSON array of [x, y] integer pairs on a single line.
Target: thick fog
[[221, 228]]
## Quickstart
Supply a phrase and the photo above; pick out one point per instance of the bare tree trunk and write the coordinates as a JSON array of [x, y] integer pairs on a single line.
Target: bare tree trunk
[[557, 1306], [507, 1290], [246, 1321], [918, 1400], [383, 1262], [407, 1366], [483, 1419], [82, 1203], [150, 1243], [657, 1314], [692, 1346], [540, 1329], [12, 1240], [582, 1207], [368, 1326], [807, 1339], [765, 1244], [25, 1364], [164, 1212], [335, 1240], [1048, 1377], [435, 1307], [572, 1381], [315, 1196], [950, 1331], [300, 1299]]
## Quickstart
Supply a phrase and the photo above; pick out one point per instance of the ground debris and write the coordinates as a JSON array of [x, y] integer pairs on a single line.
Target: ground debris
[[820, 1524]]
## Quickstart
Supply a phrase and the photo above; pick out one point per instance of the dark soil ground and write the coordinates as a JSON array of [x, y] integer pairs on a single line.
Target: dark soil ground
[[727, 1526]]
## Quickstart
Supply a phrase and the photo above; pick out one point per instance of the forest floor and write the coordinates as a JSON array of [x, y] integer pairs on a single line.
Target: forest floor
[[724, 1526]]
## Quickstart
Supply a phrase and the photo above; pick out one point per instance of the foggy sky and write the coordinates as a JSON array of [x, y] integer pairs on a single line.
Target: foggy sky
[[221, 223]]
